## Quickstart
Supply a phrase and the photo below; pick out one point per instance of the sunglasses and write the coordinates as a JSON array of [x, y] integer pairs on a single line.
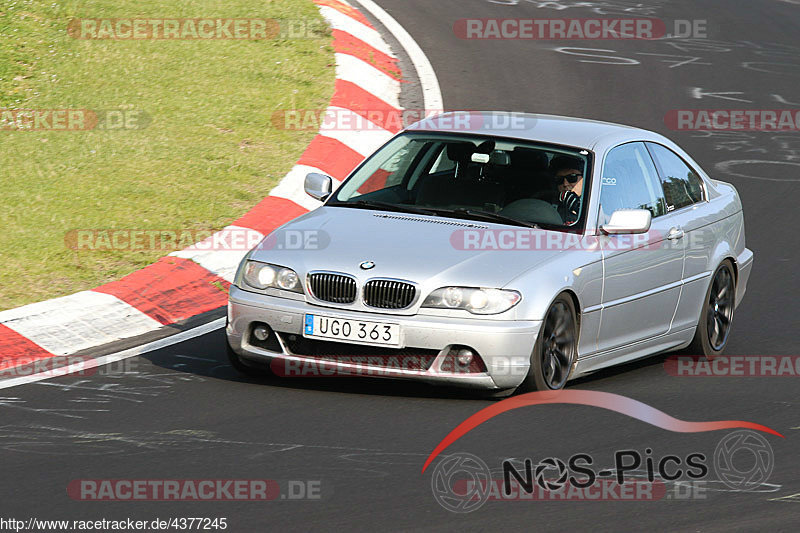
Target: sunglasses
[[572, 178]]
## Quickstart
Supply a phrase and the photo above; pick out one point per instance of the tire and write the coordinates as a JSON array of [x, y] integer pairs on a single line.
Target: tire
[[498, 394], [244, 368], [556, 348], [716, 315]]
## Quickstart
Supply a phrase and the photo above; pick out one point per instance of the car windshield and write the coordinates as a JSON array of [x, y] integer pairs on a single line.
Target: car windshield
[[503, 180]]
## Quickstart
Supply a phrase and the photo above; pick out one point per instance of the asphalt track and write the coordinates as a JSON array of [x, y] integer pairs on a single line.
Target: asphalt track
[[183, 413]]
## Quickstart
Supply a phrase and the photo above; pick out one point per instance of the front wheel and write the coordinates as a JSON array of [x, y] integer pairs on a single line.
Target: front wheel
[[716, 317], [556, 348]]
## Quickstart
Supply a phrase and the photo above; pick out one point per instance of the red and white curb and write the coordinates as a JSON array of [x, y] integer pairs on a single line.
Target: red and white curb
[[190, 282]]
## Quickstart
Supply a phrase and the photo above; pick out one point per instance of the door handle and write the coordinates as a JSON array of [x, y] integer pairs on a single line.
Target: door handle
[[675, 234]]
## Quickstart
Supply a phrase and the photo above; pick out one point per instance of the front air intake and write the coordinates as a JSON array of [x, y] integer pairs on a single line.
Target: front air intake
[[388, 294], [334, 288]]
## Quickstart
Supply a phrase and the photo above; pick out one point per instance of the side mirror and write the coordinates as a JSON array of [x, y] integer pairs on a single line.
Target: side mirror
[[318, 186], [628, 221]]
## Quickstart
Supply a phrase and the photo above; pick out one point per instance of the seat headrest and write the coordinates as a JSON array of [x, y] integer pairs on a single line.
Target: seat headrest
[[499, 158], [459, 151], [485, 147], [529, 158]]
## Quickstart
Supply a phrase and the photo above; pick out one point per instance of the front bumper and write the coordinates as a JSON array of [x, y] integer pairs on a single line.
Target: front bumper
[[504, 346]]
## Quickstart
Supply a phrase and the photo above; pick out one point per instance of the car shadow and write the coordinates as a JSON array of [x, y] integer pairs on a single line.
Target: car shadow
[[205, 356], [609, 373]]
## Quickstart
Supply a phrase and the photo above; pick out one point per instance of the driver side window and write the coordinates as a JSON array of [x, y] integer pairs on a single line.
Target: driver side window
[[630, 181]]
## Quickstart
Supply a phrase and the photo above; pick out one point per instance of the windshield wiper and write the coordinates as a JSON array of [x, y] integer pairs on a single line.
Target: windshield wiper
[[486, 215], [386, 206], [405, 208]]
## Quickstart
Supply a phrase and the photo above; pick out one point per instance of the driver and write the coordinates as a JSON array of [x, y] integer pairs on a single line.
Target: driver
[[568, 176]]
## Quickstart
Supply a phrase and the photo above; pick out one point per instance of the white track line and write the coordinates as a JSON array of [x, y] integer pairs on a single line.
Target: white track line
[[119, 356], [221, 252], [359, 72], [433, 100], [354, 131], [79, 321], [342, 22], [431, 92]]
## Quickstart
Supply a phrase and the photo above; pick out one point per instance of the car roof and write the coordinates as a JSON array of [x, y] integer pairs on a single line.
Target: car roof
[[567, 131]]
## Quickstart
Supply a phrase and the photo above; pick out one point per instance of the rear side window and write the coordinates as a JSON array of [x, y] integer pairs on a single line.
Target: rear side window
[[682, 185], [630, 181]]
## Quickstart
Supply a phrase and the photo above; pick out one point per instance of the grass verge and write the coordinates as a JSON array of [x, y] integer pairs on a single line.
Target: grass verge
[[201, 152]]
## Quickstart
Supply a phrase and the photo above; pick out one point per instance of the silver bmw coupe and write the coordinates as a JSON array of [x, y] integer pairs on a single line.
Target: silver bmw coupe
[[497, 251]]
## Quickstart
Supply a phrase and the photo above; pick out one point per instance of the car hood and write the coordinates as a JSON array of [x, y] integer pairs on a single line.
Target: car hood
[[428, 250]]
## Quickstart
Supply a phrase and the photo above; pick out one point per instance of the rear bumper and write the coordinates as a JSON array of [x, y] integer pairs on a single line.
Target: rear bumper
[[504, 346]]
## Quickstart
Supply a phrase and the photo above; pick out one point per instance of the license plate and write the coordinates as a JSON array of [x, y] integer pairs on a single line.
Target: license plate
[[326, 327]]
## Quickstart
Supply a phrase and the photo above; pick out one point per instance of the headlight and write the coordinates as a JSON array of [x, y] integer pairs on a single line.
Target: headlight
[[477, 301], [264, 276]]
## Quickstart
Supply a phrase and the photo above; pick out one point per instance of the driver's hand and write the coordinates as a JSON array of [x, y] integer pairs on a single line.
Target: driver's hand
[[570, 201]]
